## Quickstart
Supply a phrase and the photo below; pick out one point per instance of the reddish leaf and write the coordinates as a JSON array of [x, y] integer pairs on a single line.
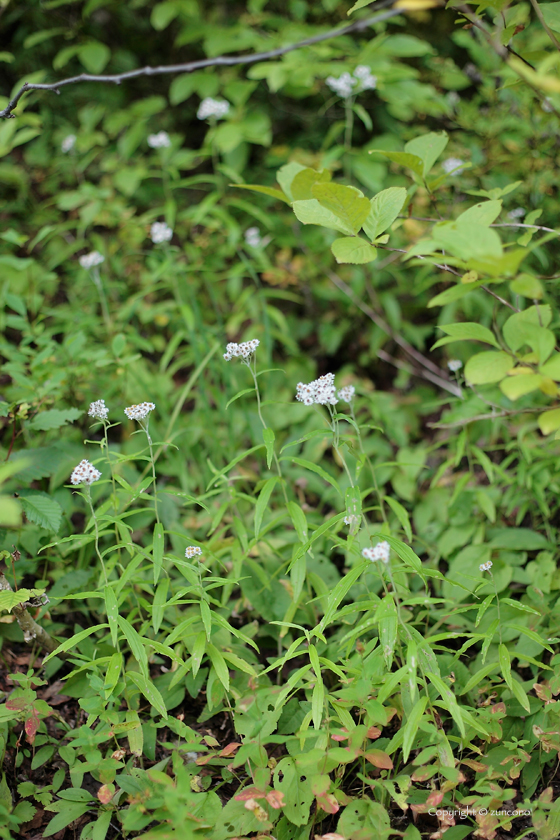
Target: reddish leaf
[[250, 793], [498, 709], [373, 732], [231, 748], [477, 766], [339, 737], [435, 798], [275, 799], [379, 759], [105, 794], [328, 803], [31, 727], [17, 704]]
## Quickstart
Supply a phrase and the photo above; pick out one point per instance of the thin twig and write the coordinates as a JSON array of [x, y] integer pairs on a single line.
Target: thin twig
[[219, 61], [546, 28], [429, 370], [32, 632]]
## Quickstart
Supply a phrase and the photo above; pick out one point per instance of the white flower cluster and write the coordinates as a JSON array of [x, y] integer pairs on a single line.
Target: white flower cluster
[[84, 473], [320, 391], [160, 232], [209, 107], [192, 551], [68, 143], [347, 84], [160, 140], [140, 411], [518, 213], [91, 260], [453, 166], [99, 410], [379, 552], [352, 520], [253, 237], [454, 365], [346, 394], [245, 349], [485, 567]]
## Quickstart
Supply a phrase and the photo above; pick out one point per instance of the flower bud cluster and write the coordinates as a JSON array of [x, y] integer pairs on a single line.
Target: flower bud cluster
[[454, 365], [245, 350], [321, 391], [192, 551], [140, 411], [160, 232], [347, 84], [453, 166], [99, 410], [485, 567], [379, 552], [159, 141], [84, 473], [209, 107], [346, 394], [91, 260]]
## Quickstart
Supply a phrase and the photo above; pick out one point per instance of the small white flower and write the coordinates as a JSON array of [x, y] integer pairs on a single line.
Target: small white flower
[[353, 521], [193, 551], [379, 552], [518, 213], [244, 350], [253, 237], [192, 756], [485, 567], [209, 107], [321, 391], [84, 473], [366, 79], [140, 411], [160, 140], [547, 105], [346, 394], [68, 143], [91, 260], [99, 410], [343, 86], [160, 232], [454, 365], [453, 98], [453, 166]]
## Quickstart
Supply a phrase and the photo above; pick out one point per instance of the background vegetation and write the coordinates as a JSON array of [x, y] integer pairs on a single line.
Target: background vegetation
[[280, 684]]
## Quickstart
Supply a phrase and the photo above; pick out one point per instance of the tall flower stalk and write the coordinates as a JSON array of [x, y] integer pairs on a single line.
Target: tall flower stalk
[[85, 474], [141, 413]]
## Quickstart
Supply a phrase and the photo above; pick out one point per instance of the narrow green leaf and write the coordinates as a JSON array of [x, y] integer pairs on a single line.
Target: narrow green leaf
[[206, 616], [520, 695], [112, 610], [308, 465], [339, 592], [75, 640], [158, 546], [149, 691], [135, 643], [411, 729], [402, 515], [449, 700], [238, 395], [271, 191], [158, 606], [466, 331], [505, 664], [269, 437], [219, 664], [262, 503], [198, 651]]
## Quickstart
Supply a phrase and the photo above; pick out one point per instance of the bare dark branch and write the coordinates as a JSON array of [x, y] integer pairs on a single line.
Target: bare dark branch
[[220, 61]]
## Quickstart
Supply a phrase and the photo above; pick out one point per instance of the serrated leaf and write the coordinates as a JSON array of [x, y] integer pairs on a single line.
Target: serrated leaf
[[41, 509], [353, 250], [54, 418]]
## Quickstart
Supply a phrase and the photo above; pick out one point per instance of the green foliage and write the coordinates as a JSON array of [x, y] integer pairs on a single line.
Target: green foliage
[[276, 619]]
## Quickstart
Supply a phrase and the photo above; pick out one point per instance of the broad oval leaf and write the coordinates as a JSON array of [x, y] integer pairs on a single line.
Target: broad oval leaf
[[490, 366], [353, 250]]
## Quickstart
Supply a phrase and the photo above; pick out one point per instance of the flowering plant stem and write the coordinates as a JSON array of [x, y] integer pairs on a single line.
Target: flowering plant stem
[[252, 365], [87, 493], [153, 463], [96, 277]]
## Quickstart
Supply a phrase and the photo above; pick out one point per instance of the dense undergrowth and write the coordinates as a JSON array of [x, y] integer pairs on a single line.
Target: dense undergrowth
[[251, 615]]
